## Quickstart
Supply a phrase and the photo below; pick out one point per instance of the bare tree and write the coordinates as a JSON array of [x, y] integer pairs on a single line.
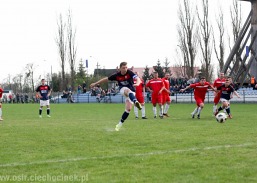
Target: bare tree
[[187, 36], [29, 69], [61, 44], [236, 17], [220, 51], [72, 49], [205, 41], [166, 66]]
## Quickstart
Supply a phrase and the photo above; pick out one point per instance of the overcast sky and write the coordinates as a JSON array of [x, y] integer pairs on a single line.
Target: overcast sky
[[108, 31]]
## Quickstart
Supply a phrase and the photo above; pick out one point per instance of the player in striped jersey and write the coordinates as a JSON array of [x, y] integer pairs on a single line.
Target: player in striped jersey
[[125, 79], [227, 91]]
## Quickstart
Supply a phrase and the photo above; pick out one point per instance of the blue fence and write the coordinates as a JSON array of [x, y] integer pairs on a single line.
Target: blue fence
[[247, 95]]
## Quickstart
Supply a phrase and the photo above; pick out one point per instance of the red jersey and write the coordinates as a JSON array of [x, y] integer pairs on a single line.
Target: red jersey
[[1, 92], [139, 88], [199, 89], [156, 85], [166, 85], [218, 82]]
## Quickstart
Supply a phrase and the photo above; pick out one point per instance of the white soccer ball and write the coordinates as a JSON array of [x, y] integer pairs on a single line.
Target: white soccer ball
[[221, 117]]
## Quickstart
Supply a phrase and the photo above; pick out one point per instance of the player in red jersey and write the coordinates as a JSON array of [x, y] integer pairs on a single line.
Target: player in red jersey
[[166, 94], [140, 96], [200, 90], [156, 86], [217, 83], [1, 94]]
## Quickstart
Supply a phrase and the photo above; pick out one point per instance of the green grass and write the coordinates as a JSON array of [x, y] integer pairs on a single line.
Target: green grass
[[79, 141]]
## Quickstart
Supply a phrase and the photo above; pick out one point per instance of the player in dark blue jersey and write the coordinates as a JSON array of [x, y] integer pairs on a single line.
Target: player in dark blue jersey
[[44, 92], [125, 79], [227, 92]]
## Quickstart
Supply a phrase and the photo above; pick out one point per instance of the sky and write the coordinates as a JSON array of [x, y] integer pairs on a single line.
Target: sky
[[107, 32]]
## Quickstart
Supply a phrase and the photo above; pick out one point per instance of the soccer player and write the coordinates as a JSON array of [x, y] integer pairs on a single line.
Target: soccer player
[[227, 91], [156, 86], [200, 90], [125, 79], [217, 83], [166, 94], [1, 94], [140, 96], [44, 92]]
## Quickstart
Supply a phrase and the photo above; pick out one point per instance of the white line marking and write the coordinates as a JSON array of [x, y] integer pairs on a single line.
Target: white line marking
[[126, 155]]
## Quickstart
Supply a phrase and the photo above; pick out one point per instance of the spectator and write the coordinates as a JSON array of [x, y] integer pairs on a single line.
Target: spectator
[[79, 89], [253, 81], [84, 87], [64, 94], [69, 97]]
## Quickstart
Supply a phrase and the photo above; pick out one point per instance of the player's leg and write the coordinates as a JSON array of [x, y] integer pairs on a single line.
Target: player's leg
[[227, 108], [136, 112], [160, 106], [141, 100], [48, 109], [1, 112], [167, 105], [41, 103], [154, 102], [200, 108], [128, 106], [197, 101], [128, 93], [216, 101]]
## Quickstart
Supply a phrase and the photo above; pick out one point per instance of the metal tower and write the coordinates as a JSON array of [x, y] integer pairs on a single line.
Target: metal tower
[[239, 64]]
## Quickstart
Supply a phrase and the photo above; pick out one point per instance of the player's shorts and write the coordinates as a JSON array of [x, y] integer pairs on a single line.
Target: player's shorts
[[157, 99], [217, 98], [166, 98], [199, 100], [140, 99], [224, 100], [44, 102], [122, 92]]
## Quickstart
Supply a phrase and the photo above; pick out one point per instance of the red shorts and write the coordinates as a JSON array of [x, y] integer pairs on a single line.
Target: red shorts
[[165, 98], [217, 98], [140, 99], [156, 99], [199, 100]]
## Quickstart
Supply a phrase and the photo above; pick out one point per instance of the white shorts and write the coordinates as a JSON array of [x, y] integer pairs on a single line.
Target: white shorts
[[44, 102], [224, 100], [122, 92]]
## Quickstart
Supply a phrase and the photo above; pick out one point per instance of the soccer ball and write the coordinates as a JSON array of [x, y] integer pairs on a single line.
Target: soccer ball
[[221, 117]]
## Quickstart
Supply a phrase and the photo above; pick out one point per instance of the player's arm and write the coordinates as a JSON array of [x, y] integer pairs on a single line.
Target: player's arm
[[49, 92], [38, 93], [163, 87], [149, 89], [104, 80], [143, 90], [138, 81], [236, 94], [212, 88], [182, 90]]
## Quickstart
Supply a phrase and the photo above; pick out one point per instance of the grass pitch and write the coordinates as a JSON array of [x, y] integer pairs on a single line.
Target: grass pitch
[[79, 144]]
